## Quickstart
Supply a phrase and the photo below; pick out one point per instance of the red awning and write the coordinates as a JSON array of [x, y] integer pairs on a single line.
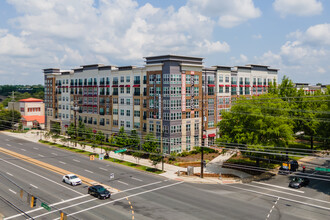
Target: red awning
[[247, 86], [121, 86], [233, 85], [114, 85], [259, 85], [227, 85], [211, 85], [136, 85], [128, 86], [241, 85], [221, 85], [254, 86], [108, 85], [211, 135], [204, 136]]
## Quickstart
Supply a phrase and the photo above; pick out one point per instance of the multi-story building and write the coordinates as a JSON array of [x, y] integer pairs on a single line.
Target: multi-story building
[[174, 97]]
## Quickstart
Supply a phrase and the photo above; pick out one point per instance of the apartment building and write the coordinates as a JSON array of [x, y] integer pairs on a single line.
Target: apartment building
[[174, 97]]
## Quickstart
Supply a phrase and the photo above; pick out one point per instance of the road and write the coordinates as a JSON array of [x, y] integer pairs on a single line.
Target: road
[[139, 195]]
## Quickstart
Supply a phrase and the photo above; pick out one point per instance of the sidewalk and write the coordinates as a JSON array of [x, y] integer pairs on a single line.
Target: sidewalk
[[170, 170]]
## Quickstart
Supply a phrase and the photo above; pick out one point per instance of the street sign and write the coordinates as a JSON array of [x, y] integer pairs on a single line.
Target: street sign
[[112, 175], [46, 206], [322, 169], [101, 156], [120, 150]]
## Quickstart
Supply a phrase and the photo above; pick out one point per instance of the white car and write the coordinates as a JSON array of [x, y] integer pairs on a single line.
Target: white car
[[71, 179]]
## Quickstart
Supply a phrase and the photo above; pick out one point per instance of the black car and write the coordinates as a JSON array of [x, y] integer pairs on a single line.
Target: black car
[[298, 182], [99, 191]]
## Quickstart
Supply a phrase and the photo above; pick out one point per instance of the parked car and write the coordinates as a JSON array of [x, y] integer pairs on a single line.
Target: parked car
[[71, 179], [288, 167], [99, 192], [298, 182]]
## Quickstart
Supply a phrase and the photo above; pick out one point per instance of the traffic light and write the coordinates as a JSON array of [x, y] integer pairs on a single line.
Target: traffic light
[[33, 201], [63, 216]]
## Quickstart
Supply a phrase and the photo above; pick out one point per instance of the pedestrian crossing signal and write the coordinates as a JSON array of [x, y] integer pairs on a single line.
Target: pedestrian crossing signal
[[33, 201]]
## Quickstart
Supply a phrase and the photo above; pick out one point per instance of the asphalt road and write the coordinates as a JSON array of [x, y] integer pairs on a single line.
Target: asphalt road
[[142, 195]]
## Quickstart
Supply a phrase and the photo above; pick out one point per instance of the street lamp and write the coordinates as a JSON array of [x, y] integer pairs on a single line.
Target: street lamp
[[75, 109]]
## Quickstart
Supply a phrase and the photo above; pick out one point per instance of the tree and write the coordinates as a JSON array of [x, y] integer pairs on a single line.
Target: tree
[[121, 140], [151, 146], [257, 122], [134, 143], [323, 129], [8, 118], [99, 137]]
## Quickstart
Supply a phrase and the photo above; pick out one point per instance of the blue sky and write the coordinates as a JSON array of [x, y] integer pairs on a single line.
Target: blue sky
[[290, 35]]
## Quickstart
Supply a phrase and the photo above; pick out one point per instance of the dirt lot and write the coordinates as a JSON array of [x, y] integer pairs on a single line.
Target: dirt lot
[[195, 158]]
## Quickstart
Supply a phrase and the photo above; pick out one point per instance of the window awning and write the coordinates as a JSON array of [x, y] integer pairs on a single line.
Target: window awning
[[227, 85], [241, 85], [247, 86], [211, 135], [204, 136], [136, 85], [211, 85], [233, 85], [128, 86], [221, 85], [121, 86], [114, 85]]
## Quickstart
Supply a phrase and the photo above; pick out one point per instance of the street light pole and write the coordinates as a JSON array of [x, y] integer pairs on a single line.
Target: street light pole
[[202, 132], [75, 108]]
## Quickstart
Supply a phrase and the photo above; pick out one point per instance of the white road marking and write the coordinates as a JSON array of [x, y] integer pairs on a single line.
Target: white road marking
[[41, 208], [42, 177], [103, 168], [61, 162], [20, 143], [79, 197], [36, 148], [40, 155], [89, 171], [9, 174], [305, 197], [270, 212], [137, 179], [12, 191], [55, 154], [286, 188], [122, 182], [8, 145], [280, 197], [23, 149], [76, 160], [105, 203], [33, 186]]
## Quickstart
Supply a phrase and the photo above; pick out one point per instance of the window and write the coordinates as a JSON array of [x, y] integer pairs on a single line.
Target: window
[[122, 90], [196, 126], [115, 100], [128, 101], [128, 112], [211, 101], [115, 111], [136, 113], [196, 114], [122, 101], [188, 91], [128, 90], [188, 79], [227, 79], [196, 91], [158, 128], [220, 78], [128, 78], [122, 112], [136, 101], [128, 124], [115, 122], [166, 116], [188, 128], [188, 139], [151, 127], [188, 114], [136, 124], [122, 123], [196, 79], [227, 89], [166, 78], [210, 124], [220, 89], [158, 78], [122, 79]]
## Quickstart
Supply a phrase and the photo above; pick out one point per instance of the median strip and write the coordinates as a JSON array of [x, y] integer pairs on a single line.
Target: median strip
[[52, 168]]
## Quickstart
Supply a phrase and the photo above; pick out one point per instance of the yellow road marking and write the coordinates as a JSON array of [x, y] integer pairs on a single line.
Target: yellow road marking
[[51, 167]]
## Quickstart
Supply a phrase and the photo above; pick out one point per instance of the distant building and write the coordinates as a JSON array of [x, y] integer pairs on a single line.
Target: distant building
[[32, 111], [310, 89]]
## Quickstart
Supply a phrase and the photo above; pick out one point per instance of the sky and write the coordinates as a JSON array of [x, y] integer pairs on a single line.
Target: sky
[[290, 35]]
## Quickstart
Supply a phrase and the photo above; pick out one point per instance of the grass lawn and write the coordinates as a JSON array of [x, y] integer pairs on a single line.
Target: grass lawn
[[129, 164]]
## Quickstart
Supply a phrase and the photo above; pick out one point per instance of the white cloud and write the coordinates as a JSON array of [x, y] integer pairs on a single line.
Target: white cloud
[[13, 46], [257, 36], [298, 7], [229, 13], [319, 34]]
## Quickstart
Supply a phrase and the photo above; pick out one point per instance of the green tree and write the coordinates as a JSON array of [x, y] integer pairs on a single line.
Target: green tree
[[257, 122], [8, 118], [99, 138], [151, 146], [134, 143], [121, 140]]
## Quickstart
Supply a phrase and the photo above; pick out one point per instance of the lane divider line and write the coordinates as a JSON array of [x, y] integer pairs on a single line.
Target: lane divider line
[[12, 191], [52, 168], [33, 186], [122, 182], [281, 187]]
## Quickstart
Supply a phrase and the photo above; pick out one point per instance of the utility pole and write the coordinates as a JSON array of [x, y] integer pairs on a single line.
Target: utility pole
[[12, 113], [75, 108], [202, 130]]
